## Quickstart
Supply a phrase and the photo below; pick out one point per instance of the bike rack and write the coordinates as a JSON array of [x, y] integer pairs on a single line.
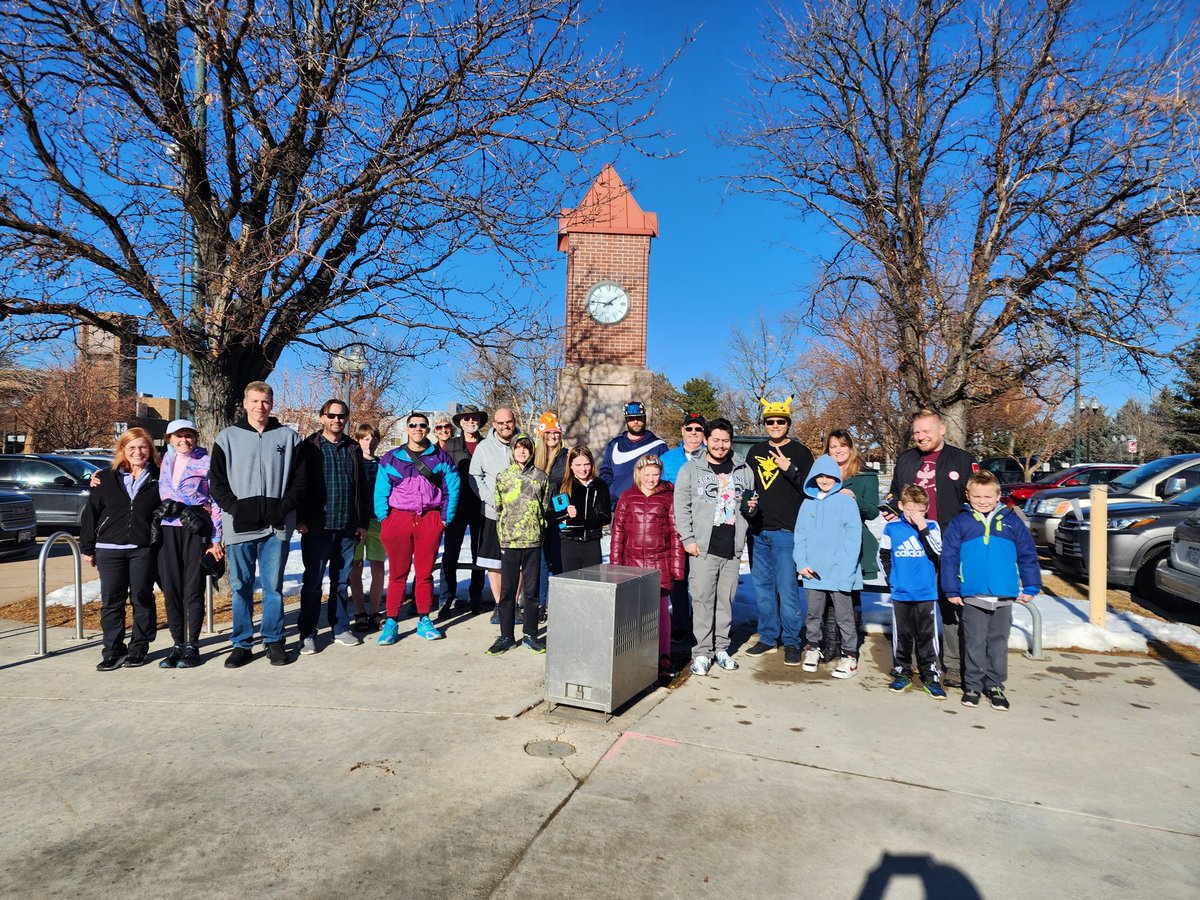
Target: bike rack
[[1035, 639], [42, 557]]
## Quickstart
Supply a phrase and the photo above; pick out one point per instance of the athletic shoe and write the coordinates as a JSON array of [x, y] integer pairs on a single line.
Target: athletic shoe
[[791, 656], [347, 639], [171, 660], [308, 646], [238, 657], [495, 620], [970, 698], [997, 699], [700, 665], [759, 649], [725, 661], [811, 659], [847, 667], [389, 635], [502, 645], [134, 659], [536, 644], [190, 658], [277, 653], [934, 690], [427, 630], [666, 669], [902, 683], [107, 665]]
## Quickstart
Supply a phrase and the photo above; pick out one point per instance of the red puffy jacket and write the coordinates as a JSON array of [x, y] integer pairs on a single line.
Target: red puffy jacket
[[643, 533]]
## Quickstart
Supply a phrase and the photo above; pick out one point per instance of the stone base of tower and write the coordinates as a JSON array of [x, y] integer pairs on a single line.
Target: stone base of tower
[[591, 402]]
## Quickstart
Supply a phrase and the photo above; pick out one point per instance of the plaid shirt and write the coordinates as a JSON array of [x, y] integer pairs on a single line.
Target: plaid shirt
[[337, 461]]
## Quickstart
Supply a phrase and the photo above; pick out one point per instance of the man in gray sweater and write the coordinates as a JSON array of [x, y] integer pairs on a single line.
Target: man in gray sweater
[[257, 479]]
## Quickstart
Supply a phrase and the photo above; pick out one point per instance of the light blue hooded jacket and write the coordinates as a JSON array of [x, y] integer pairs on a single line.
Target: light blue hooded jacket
[[829, 533]]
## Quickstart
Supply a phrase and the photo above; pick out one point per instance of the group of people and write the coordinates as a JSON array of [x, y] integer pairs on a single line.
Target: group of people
[[955, 559]]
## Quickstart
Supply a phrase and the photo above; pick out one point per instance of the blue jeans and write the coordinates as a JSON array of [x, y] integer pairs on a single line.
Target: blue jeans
[[269, 554], [320, 548], [781, 601]]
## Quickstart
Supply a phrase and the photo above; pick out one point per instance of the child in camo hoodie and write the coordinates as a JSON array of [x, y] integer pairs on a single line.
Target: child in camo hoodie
[[520, 520]]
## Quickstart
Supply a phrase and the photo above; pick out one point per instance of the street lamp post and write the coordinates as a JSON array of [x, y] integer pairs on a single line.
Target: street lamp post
[[1094, 408], [348, 362]]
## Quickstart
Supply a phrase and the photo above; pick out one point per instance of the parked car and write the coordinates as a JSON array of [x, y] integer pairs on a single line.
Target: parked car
[[1178, 574], [57, 484], [1139, 538], [1005, 468], [1152, 482], [1088, 473], [18, 524]]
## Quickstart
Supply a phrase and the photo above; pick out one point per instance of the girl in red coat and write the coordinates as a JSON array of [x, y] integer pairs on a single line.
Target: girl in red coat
[[643, 535]]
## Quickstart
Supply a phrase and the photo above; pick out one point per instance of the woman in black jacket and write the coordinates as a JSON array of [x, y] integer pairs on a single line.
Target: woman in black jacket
[[115, 539], [588, 512]]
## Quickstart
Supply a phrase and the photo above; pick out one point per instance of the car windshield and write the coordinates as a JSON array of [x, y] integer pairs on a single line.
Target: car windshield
[[1045, 477], [80, 468], [1190, 497], [1149, 470]]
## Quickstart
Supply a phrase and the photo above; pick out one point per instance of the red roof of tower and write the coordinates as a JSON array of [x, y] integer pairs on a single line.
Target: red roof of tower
[[608, 208]]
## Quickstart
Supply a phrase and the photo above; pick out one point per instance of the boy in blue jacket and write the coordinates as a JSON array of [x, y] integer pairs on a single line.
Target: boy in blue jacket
[[988, 561], [909, 550], [828, 539]]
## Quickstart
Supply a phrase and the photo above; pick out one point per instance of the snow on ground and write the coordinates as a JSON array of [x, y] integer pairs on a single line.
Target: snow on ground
[[1064, 622]]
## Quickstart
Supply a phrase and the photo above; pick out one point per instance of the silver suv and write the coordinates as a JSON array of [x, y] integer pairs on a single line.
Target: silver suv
[[1152, 482], [1179, 573]]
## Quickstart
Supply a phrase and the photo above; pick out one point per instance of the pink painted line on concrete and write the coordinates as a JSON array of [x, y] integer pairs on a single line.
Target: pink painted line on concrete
[[626, 735]]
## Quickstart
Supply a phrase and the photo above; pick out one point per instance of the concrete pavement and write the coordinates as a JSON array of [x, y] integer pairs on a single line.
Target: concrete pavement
[[403, 771]]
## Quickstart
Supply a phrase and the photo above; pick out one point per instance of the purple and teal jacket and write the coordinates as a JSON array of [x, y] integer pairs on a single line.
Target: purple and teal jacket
[[400, 484]]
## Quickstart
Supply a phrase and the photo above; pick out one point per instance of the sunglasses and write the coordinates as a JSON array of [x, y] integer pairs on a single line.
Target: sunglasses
[[441, 427], [336, 416], [422, 425], [694, 428], [775, 421]]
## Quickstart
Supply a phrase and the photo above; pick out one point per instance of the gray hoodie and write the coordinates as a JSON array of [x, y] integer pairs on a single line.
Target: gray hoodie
[[257, 480], [490, 459], [696, 501]]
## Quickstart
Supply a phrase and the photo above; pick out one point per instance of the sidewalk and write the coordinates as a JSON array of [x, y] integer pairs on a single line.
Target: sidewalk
[[402, 771]]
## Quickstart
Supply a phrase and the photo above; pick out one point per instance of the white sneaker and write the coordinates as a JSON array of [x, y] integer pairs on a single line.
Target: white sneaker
[[348, 639], [700, 665], [308, 646], [846, 668], [725, 661], [811, 659]]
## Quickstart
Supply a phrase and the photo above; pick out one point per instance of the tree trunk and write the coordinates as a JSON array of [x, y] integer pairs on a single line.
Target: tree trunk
[[218, 384], [954, 417]]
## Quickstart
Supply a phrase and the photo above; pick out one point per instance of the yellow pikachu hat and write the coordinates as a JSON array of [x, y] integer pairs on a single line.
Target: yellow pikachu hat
[[777, 408]]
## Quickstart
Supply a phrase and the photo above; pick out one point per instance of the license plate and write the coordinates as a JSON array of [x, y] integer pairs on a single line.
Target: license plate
[[1058, 546], [1193, 556], [24, 537]]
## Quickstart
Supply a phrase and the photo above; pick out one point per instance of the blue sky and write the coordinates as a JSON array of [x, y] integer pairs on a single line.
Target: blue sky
[[721, 257]]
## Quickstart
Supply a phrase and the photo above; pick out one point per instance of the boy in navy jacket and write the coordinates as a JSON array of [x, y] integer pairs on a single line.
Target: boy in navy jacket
[[910, 549], [988, 561]]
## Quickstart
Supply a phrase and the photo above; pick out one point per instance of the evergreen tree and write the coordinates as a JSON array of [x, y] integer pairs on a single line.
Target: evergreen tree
[[1184, 415], [700, 395]]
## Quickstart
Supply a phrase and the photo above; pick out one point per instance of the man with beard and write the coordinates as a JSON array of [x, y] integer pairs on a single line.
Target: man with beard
[[462, 449], [491, 458], [616, 466]]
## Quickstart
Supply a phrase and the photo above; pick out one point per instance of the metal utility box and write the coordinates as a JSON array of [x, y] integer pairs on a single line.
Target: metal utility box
[[602, 636]]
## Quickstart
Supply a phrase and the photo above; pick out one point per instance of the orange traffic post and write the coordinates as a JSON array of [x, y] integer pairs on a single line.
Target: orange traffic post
[[1098, 555]]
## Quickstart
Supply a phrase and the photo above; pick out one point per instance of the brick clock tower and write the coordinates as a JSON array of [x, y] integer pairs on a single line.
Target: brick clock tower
[[607, 242]]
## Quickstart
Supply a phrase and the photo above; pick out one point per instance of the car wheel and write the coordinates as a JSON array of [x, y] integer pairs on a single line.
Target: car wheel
[[1143, 583]]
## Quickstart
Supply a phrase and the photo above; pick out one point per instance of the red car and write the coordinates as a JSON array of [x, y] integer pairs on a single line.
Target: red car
[[1088, 473]]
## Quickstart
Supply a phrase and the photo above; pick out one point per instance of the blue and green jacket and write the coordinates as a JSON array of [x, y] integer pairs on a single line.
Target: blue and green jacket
[[989, 556]]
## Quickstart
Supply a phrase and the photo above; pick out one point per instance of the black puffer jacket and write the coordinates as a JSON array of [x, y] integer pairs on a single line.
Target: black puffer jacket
[[594, 512], [112, 517]]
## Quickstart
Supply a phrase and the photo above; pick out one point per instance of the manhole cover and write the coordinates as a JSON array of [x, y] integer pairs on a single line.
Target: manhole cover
[[549, 749]]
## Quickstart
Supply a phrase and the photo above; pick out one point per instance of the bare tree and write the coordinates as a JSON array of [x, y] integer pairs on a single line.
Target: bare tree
[[761, 359], [1022, 427], [324, 162], [73, 404], [1135, 421], [517, 373], [1003, 175]]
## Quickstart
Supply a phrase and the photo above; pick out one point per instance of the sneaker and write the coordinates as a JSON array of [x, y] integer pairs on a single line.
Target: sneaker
[[495, 620], [239, 657], [970, 698], [277, 654], [847, 667], [502, 645], [134, 659], [759, 649], [390, 633], [997, 699], [190, 658], [700, 665], [445, 611], [107, 665], [666, 669], [902, 683], [171, 660], [348, 639], [427, 630], [811, 659], [536, 644], [934, 690], [725, 661], [791, 656], [308, 645]]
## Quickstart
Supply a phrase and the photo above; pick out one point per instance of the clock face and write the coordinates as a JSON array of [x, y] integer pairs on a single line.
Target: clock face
[[608, 303]]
